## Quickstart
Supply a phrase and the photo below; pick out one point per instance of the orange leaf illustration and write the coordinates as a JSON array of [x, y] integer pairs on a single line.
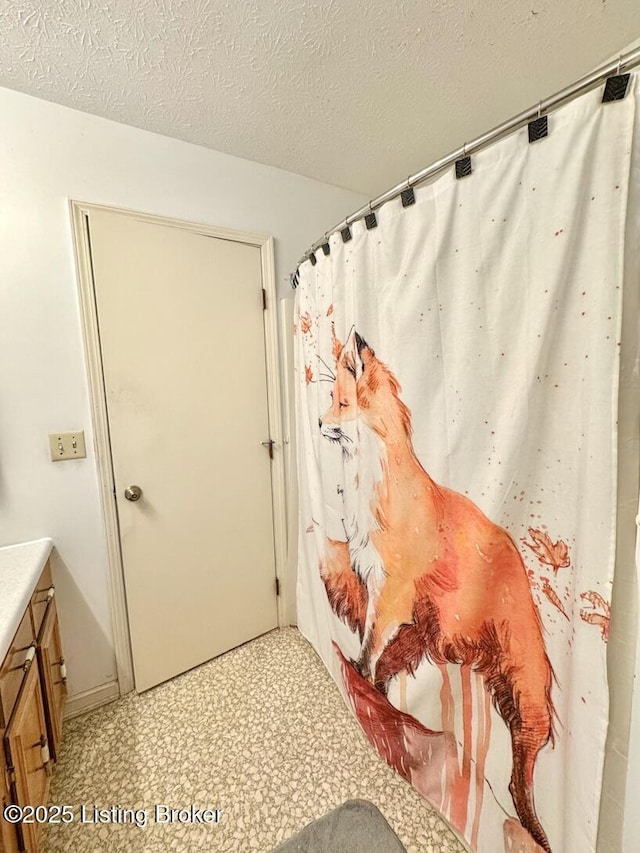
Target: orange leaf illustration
[[305, 322], [554, 554], [308, 374], [336, 346], [593, 617], [330, 310], [553, 598]]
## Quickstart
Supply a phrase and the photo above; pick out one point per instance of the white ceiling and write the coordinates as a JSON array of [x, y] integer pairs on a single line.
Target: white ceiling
[[358, 93]]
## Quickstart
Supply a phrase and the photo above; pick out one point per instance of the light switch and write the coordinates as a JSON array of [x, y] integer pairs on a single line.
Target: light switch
[[67, 445]]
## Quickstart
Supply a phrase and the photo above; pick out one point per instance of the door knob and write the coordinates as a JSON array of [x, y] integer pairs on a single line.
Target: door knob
[[133, 493]]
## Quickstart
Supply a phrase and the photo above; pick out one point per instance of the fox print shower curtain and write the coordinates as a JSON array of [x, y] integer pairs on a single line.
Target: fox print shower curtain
[[456, 381]]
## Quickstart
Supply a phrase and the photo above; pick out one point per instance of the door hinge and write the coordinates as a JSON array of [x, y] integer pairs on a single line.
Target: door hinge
[[264, 299], [277, 586]]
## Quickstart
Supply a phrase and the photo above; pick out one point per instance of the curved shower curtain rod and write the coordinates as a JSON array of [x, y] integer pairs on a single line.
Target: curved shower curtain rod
[[624, 63]]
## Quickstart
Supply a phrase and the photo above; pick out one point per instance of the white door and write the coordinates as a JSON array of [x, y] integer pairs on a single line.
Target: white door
[[182, 338]]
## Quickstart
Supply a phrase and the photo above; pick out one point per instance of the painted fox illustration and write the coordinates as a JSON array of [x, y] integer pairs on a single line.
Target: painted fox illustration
[[425, 574]]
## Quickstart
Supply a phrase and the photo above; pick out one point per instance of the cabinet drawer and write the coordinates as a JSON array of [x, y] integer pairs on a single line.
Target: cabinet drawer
[[40, 599], [53, 675], [12, 671]]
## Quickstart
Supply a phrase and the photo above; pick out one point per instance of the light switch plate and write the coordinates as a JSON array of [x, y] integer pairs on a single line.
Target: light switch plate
[[67, 445]]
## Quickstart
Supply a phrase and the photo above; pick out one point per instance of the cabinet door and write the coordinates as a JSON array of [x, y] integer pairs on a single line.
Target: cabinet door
[[8, 834], [28, 752], [53, 676]]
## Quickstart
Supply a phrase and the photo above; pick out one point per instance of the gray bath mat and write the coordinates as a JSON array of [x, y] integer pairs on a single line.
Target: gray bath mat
[[355, 827]]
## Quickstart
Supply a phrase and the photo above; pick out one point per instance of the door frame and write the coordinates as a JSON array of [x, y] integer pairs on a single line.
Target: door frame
[[80, 215]]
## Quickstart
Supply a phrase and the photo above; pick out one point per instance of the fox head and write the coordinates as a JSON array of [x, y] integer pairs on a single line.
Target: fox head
[[365, 392]]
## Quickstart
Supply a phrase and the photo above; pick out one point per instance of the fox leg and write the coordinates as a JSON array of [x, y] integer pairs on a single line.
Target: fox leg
[[523, 699], [373, 646], [384, 619], [369, 653], [347, 594], [363, 664], [526, 746]]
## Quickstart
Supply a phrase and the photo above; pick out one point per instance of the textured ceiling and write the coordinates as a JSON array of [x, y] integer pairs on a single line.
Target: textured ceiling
[[358, 93]]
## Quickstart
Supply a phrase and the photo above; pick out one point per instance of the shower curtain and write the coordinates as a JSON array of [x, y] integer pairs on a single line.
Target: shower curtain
[[456, 401]]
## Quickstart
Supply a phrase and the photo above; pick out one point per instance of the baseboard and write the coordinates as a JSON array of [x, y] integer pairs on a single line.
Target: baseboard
[[90, 699]]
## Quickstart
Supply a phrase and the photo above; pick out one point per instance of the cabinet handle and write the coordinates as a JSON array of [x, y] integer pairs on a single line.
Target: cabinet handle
[[43, 745], [28, 658], [31, 653], [45, 595], [63, 668]]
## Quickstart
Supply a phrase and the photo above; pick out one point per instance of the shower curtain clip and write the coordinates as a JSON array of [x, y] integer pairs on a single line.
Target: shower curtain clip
[[463, 165], [370, 219], [326, 248], [539, 127], [407, 196], [616, 86]]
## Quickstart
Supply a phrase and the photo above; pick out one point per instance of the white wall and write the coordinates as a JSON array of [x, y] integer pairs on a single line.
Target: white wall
[[48, 155]]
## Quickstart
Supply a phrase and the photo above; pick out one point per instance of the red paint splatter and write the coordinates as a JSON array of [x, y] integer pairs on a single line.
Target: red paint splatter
[[599, 615]]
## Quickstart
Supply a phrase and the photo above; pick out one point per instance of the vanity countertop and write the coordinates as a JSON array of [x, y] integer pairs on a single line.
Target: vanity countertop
[[20, 568]]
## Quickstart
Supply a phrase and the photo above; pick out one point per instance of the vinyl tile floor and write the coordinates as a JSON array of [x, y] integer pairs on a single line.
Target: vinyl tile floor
[[260, 734]]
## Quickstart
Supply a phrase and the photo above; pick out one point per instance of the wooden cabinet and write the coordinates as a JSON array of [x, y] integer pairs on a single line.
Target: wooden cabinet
[[32, 695], [27, 753]]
